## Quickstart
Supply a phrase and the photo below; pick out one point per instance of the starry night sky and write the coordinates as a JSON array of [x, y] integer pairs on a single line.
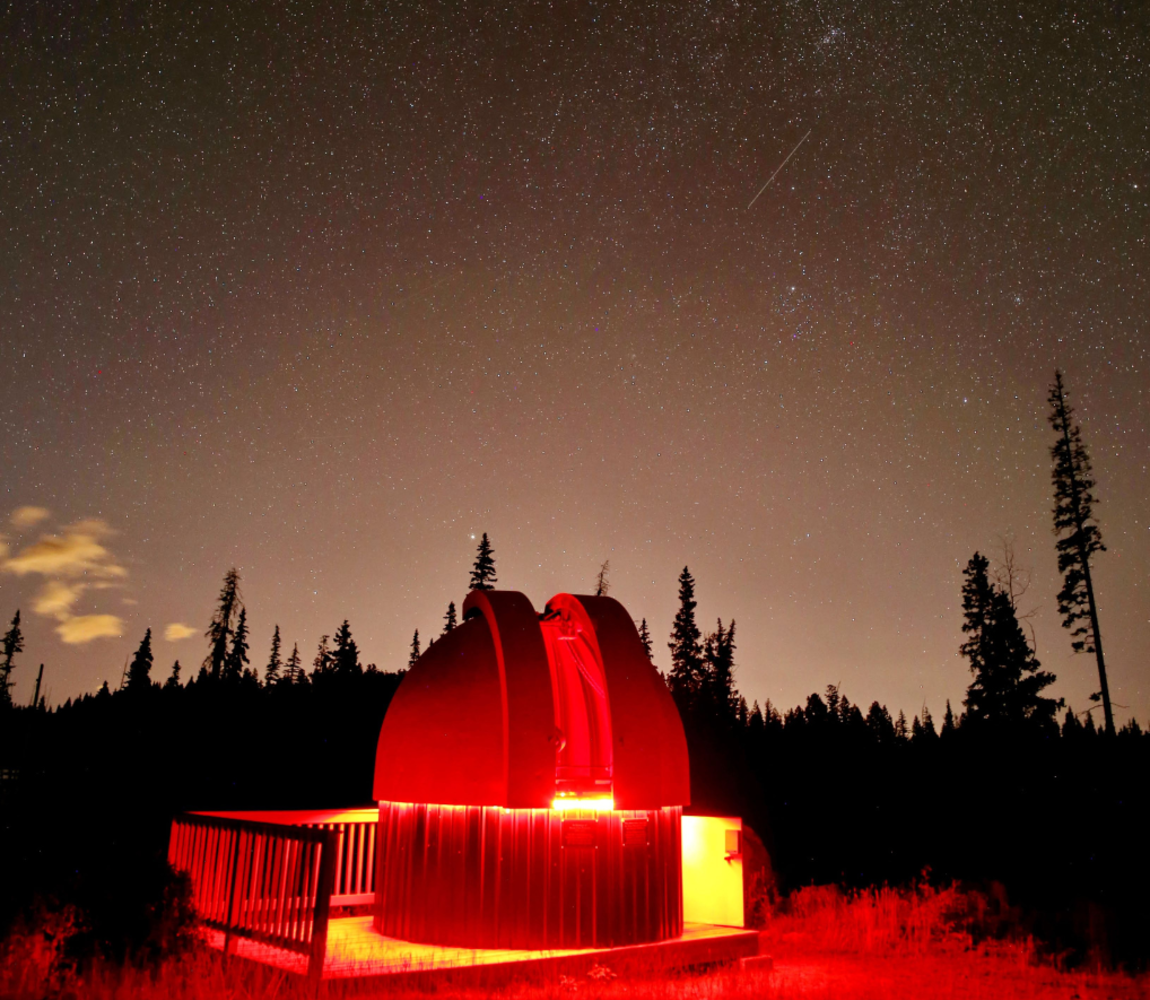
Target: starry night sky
[[326, 291]]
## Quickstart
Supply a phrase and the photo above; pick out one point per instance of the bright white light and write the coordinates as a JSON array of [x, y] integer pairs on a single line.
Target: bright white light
[[595, 805]]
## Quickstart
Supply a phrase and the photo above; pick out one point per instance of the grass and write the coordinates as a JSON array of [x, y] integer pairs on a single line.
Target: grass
[[877, 943]]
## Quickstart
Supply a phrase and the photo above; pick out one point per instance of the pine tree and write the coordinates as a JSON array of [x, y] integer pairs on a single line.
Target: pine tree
[[173, 680], [1071, 725], [345, 658], [237, 658], [1078, 535], [220, 630], [645, 639], [1007, 685], [834, 701], [755, 722], [272, 670], [602, 584], [139, 673], [928, 729], [686, 674], [10, 645], [879, 723], [321, 665], [413, 656], [449, 619], [901, 730], [293, 671], [718, 678], [948, 724], [483, 572]]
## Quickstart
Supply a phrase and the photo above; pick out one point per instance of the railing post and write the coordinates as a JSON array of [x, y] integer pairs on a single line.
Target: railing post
[[230, 919], [325, 885]]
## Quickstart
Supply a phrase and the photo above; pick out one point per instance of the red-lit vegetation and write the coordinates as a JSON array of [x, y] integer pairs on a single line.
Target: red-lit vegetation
[[923, 942]]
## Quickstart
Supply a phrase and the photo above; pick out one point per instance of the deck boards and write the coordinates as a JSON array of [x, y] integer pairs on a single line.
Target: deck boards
[[355, 950]]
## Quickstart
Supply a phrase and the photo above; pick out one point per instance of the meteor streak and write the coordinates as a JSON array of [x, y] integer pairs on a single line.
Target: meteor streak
[[781, 165]]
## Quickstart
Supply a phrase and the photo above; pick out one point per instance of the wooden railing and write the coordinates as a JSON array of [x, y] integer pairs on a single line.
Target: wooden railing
[[268, 882], [354, 883], [354, 858]]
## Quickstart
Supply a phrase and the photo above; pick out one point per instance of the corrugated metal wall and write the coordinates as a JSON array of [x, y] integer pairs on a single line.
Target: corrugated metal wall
[[489, 877]]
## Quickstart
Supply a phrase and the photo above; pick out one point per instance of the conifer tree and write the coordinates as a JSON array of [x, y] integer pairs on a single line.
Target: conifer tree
[[901, 730], [602, 584], [483, 572], [220, 630], [10, 645], [686, 675], [237, 658], [1007, 685], [846, 709], [413, 656], [272, 670], [1071, 725], [1079, 537], [948, 723], [173, 680], [345, 657], [755, 721], [879, 723], [928, 729], [293, 671], [139, 673], [645, 639], [449, 619], [718, 678], [321, 665], [834, 701]]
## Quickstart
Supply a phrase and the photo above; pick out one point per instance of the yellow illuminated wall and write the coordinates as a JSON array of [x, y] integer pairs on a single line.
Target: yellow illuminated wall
[[713, 870]]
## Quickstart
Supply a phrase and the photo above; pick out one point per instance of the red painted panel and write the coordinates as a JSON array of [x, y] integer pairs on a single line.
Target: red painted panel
[[442, 739], [529, 761], [487, 877], [584, 761], [511, 709], [650, 747]]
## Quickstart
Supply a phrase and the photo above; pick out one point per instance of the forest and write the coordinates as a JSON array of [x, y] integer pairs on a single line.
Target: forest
[[1014, 793]]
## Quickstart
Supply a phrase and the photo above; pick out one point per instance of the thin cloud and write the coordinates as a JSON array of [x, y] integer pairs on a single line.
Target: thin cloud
[[85, 628], [78, 552], [74, 561], [26, 517], [56, 599], [177, 631]]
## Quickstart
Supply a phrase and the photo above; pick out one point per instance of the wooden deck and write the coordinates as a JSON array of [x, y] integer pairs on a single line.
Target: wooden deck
[[355, 950]]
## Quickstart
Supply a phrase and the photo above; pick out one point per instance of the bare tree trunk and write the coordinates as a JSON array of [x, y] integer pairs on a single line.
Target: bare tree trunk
[[1105, 688]]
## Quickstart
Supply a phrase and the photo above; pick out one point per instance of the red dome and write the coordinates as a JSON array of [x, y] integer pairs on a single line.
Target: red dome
[[514, 709]]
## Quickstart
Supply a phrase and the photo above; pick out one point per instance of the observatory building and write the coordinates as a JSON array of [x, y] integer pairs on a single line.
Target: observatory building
[[530, 780], [531, 774]]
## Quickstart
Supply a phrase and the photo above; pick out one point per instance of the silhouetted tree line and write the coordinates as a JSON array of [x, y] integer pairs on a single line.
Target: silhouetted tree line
[[1015, 787], [1002, 791], [1006, 789], [88, 789]]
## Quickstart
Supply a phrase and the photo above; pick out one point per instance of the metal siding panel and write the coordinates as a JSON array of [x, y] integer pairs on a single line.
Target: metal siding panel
[[476, 876]]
